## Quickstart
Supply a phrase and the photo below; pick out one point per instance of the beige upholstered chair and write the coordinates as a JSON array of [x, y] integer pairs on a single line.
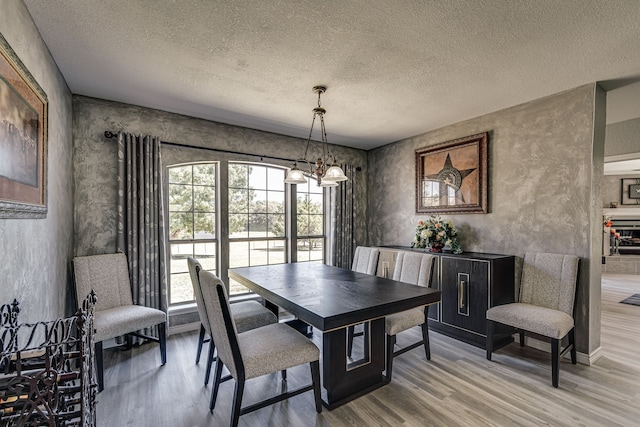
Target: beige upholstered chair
[[545, 307], [260, 351], [414, 268], [115, 313], [365, 260], [246, 315]]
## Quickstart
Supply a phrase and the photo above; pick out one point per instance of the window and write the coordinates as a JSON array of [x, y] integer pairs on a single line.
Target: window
[[192, 225], [260, 221], [257, 217], [310, 222]]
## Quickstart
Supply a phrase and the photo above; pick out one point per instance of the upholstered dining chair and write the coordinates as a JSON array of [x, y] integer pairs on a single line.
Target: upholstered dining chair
[[260, 351], [115, 312], [414, 268], [246, 315], [545, 306], [365, 260]]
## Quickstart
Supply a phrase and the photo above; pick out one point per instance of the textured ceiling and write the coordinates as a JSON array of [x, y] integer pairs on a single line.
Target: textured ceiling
[[394, 69]]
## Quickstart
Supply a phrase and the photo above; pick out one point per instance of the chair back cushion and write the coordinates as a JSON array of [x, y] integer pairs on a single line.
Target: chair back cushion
[[224, 334], [365, 260], [414, 268], [107, 275], [549, 280], [194, 267]]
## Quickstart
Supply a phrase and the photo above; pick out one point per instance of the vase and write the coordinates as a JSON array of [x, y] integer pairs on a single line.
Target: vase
[[436, 247]]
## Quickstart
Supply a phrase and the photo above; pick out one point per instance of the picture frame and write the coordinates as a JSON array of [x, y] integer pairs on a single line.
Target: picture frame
[[23, 139], [630, 191], [452, 177]]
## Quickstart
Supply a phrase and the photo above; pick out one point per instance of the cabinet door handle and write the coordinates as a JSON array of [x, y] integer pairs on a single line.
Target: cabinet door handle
[[461, 303]]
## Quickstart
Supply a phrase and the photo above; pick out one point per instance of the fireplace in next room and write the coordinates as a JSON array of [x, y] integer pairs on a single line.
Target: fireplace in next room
[[629, 241]]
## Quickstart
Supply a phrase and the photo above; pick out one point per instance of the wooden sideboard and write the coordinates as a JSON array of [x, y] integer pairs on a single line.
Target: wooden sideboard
[[470, 283]]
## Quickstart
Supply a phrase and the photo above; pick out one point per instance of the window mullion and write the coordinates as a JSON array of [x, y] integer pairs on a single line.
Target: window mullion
[[223, 220], [293, 223]]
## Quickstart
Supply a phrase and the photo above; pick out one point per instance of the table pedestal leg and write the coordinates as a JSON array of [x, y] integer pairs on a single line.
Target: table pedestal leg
[[342, 383]]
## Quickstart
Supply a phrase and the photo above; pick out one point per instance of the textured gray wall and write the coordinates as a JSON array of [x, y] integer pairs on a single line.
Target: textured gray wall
[[622, 138], [36, 253], [541, 185], [95, 159]]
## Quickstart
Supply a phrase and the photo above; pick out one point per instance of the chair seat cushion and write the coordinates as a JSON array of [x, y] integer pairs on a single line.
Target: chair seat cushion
[[273, 348], [540, 320], [398, 322], [121, 320], [250, 315]]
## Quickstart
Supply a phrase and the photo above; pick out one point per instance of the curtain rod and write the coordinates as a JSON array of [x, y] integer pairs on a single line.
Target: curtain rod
[[108, 134]]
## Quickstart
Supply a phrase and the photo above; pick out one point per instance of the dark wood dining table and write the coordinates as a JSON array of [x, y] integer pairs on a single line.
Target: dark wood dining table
[[331, 299]]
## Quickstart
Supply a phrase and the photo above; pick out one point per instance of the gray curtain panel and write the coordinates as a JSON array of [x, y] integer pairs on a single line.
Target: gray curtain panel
[[343, 214], [141, 219]]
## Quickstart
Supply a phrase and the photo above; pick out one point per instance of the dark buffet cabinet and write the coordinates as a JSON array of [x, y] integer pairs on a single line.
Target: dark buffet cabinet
[[470, 284]]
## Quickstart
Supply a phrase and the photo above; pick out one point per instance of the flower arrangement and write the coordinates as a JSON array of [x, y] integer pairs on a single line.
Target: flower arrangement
[[436, 233], [606, 221]]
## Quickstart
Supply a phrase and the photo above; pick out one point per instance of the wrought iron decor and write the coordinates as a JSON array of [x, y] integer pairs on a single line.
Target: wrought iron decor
[[630, 191], [23, 139], [46, 369], [452, 177]]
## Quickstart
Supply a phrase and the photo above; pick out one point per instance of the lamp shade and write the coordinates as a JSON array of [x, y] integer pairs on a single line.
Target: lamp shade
[[295, 176], [325, 183], [334, 174]]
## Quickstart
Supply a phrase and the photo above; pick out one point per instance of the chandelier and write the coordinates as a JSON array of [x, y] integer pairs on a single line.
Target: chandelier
[[324, 170]]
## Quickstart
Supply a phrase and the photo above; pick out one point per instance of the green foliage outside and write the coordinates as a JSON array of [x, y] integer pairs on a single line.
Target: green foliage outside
[[192, 196], [310, 223], [192, 208]]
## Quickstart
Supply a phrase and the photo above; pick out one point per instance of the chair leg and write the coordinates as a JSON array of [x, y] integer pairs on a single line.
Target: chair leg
[[315, 379], [237, 402], [216, 385], [425, 338], [99, 365], [521, 333], [200, 342], [350, 331], [555, 352], [572, 343], [489, 346], [210, 359], [391, 342], [162, 332]]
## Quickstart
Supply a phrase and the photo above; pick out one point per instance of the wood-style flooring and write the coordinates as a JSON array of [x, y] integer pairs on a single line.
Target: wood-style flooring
[[458, 387]]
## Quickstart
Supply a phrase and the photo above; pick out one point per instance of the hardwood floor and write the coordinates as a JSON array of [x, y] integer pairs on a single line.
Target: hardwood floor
[[458, 387]]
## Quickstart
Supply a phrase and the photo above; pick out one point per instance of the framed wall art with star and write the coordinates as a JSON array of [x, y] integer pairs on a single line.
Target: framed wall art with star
[[452, 177]]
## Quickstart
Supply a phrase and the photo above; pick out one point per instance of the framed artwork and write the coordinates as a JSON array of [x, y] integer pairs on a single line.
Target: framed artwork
[[451, 177], [23, 140], [630, 191]]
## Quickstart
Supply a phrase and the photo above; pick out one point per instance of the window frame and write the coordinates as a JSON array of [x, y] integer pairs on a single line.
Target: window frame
[[222, 233], [325, 212], [193, 242], [286, 238]]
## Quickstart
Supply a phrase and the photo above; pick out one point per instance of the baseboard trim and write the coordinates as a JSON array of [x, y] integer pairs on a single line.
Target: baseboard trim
[[592, 357], [187, 327], [582, 358]]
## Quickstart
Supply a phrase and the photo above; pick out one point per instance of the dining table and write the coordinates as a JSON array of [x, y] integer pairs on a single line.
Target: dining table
[[332, 299]]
